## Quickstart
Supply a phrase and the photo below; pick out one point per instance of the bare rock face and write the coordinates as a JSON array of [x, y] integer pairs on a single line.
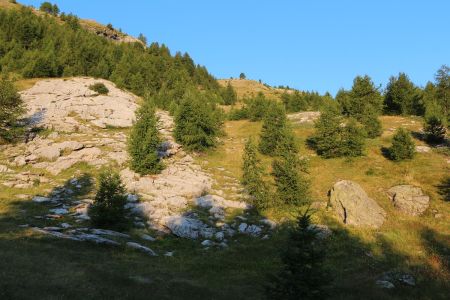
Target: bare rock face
[[69, 105], [304, 117], [409, 199], [353, 206]]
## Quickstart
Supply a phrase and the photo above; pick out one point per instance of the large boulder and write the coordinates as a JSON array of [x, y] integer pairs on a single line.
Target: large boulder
[[353, 206], [409, 199]]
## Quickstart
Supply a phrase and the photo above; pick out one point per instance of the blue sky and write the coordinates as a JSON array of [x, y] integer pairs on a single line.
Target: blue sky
[[310, 45]]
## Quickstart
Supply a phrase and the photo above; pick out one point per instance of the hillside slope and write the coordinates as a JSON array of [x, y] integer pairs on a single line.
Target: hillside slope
[[250, 88]]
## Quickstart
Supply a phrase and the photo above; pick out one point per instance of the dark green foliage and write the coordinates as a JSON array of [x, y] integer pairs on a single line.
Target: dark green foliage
[[402, 97], [108, 209], [364, 103], [11, 108], [434, 129], [198, 123], [229, 95], [242, 76], [302, 101], [292, 187], [303, 275], [49, 8], [352, 140], [372, 124], [402, 146], [144, 141], [275, 131], [252, 177], [142, 38], [443, 89], [334, 138], [254, 109], [99, 88], [38, 46]]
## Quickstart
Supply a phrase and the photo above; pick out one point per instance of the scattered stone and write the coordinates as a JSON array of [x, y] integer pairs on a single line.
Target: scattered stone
[[322, 231], [5, 169], [141, 248], [207, 243], [353, 206], [40, 199], [271, 224], [147, 237], [409, 199], [109, 232], [219, 235], [188, 227], [385, 284], [423, 149], [59, 211], [169, 253], [242, 227]]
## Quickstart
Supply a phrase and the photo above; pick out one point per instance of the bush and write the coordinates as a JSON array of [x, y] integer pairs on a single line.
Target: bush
[[434, 129], [11, 108], [49, 8], [99, 88], [402, 146], [108, 209], [303, 275], [197, 122], [144, 141], [229, 95]]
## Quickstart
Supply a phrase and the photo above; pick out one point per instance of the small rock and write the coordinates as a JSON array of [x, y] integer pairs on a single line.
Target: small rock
[[147, 237], [385, 284], [242, 227], [219, 235], [59, 211], [141, 248], [40, 199], [207, 243], [169, 253], [407, 279]]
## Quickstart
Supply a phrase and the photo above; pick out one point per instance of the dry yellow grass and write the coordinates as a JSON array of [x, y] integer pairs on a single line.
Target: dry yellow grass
[[249, 88]]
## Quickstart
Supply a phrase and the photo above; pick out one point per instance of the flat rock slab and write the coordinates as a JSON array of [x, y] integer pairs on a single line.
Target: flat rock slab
[[353, 206], [409, 199]]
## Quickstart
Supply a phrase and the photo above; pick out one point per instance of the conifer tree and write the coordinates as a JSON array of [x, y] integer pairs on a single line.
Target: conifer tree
[[252, 177], [401, 96], [434, 128], [328, 137], [372, 124], [402, 145], [229, 95], [303, 275], [197, 122], [108, 209], [144, 141], [273, 130], [292, 187], [352, 139], [11, 108]]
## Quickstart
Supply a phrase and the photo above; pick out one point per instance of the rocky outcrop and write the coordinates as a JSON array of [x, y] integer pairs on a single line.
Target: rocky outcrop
[[304, 117], [69, 105], [353, 206], [409, 199]]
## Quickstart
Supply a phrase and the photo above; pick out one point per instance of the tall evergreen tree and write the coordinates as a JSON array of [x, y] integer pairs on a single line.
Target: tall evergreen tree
[[372, 124], [144, 141], [401, 96], [443, 89], [273, 130], [197, 123], [402, 145], [108, 209], [352, 140], [229, 95], [11, 108], [303, 275], [252, 177], [328, 138], [292, 186]]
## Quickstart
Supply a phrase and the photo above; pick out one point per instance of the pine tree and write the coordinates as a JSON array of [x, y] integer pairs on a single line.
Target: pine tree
[[401, 96], [229, 95], [144, 141], [443, 89], [352, 139], [372, 124], [11, 108], [328, 137], [197, 123], [434, 129], [303, 275], [273, 130], [252, 177], [292, 187], [108, 209], [402, 146]]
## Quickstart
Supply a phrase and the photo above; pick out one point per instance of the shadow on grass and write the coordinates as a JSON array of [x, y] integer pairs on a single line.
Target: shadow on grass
[[444, 188]]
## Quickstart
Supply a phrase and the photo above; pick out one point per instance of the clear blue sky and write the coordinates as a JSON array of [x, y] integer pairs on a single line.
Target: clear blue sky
[[311, 45]]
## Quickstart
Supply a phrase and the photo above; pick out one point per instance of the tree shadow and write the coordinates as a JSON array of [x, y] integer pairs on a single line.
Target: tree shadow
[[385, 152], [444, 188]]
